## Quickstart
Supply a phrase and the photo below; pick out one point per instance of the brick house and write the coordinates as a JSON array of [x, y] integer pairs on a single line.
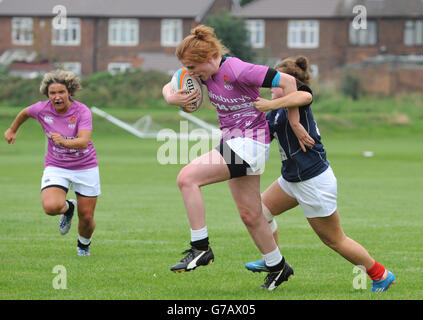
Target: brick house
[[99, 35], [332, 35], [118, 35]]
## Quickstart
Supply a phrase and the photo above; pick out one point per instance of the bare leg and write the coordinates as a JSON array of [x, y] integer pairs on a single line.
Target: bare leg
[[328, 228], [277, 201], [202, 171], [53, 200], [246, 193], [330, 232], [86, 207]]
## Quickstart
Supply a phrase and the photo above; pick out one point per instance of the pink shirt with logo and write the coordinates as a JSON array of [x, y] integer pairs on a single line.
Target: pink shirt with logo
[[232, 90], [77, 117]]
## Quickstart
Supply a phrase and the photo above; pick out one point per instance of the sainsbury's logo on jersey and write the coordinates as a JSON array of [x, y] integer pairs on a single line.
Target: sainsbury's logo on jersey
[[239, 103]]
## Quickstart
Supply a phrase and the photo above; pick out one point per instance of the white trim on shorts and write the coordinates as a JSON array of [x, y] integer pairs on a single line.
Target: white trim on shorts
[[251, 151], [317, 196], [85, 182]]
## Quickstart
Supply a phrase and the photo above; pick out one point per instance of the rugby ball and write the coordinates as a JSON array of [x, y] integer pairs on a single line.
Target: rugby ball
[[183, 80]]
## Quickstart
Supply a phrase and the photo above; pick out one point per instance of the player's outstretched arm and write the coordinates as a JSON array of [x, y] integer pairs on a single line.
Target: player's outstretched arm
[[292, 100], [11, 132]]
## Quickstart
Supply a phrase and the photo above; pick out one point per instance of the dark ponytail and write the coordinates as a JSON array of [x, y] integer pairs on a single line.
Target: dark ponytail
[[297, 67]]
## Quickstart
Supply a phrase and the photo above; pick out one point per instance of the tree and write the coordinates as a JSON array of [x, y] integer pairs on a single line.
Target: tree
[[233, 34]]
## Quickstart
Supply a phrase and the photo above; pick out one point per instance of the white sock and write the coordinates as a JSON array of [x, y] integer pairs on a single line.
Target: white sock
[[83, 240], [199, 234], [272, 258], [67, 206]]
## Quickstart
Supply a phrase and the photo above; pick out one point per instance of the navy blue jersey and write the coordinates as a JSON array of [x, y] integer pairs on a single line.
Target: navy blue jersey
[[296, 164]]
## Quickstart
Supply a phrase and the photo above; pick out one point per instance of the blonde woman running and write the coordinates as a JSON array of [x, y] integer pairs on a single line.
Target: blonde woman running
[[71, 160]]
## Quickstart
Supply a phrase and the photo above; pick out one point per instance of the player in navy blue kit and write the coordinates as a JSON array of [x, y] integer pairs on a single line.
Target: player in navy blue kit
[[307, 178]]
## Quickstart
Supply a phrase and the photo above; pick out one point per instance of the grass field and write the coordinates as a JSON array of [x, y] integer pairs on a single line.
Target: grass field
[[142, 227]]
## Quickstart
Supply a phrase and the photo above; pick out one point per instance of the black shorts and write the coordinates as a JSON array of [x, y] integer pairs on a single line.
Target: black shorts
[[237, 166]]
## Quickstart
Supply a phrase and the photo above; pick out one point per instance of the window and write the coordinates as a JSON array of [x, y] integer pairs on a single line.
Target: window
[[71, 36], [123, 32], [314, 71], [119, 67], [256, 31], [22, 31], [171, 32], [413, 32], [303, 34], [364, 37], [75, 67]]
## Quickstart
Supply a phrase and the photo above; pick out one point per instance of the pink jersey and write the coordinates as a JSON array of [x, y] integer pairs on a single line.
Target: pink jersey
[[78, 117], [232, 90]]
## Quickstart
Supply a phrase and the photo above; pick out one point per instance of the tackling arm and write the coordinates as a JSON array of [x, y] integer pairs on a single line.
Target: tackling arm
[[294, 99]]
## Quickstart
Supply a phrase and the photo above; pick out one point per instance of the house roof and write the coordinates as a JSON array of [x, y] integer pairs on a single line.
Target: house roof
[[108, 8], [288, 9], [196, 9], [383, 8], [329, 8]]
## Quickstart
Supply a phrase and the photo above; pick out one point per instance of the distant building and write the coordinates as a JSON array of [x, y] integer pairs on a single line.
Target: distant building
[[99, 35], [334, 34]]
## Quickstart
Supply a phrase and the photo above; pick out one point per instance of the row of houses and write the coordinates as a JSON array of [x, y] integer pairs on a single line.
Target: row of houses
[[98, 35]]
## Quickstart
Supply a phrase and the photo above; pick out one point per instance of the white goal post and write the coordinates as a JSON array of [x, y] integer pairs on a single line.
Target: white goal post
[[209, 131]]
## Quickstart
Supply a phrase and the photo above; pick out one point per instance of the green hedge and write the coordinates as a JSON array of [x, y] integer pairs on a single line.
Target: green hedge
[[136, 89], [19, 92]]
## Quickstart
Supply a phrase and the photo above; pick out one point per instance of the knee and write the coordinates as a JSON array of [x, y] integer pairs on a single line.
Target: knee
[[52, 207], [250, 217], [184, 179], [86, 218], [333, 242], [329, 243]]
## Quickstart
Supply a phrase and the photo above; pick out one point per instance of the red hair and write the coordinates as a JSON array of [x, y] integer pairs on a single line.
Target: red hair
[[200, 45]]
